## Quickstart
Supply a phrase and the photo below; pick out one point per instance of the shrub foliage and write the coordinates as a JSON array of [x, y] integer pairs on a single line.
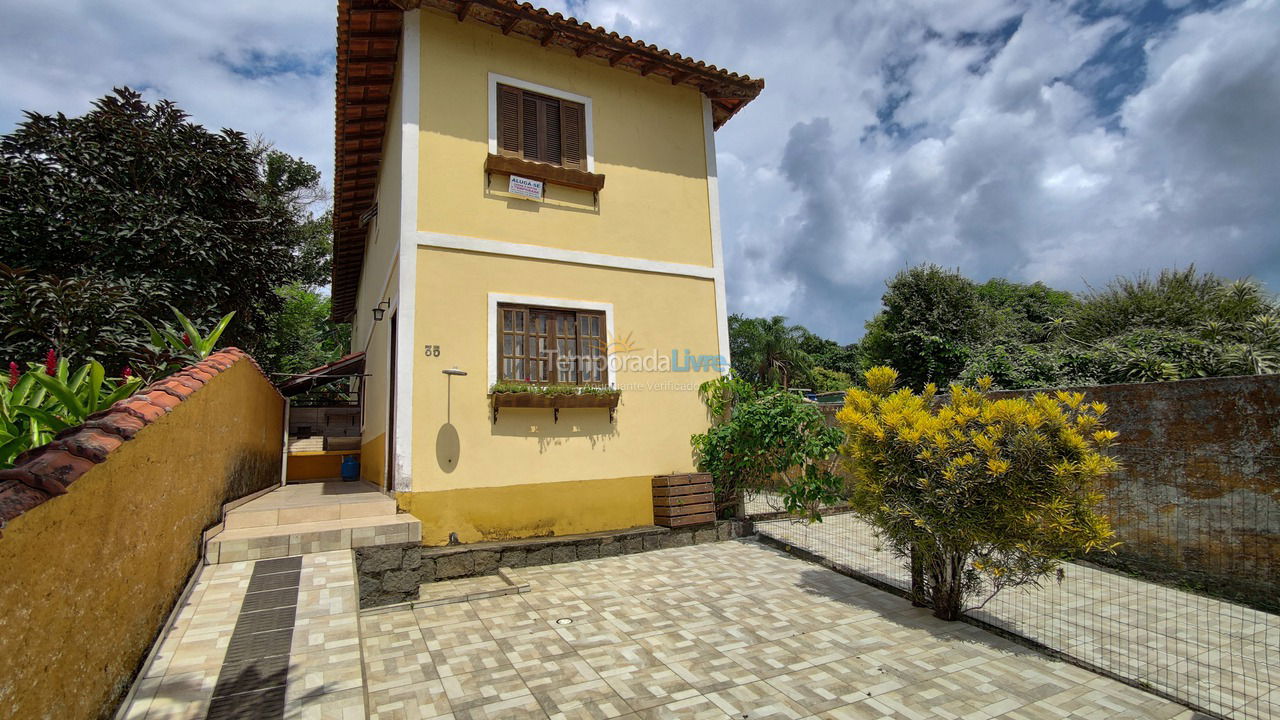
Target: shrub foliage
[[978, 493]]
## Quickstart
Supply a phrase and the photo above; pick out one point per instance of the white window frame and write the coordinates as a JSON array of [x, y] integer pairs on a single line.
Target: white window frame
[[553, 303], [495, 79]]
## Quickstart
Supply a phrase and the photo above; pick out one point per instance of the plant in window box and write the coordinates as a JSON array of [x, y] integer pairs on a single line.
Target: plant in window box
[[530, 395]]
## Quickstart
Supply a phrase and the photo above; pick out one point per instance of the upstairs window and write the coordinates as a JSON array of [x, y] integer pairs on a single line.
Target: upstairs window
[[551, 346], [537, 127]]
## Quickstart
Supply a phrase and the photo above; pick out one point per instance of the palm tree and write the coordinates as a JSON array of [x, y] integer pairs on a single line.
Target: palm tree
[[773, 355]]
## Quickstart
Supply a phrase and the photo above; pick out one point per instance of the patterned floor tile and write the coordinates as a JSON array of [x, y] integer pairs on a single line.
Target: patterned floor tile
[[342, 705], [484, 687], [517, 707], [757, 701], [620, 659], [585, 635], [433, 616], [532, 646], [324, 672], [461, 633], [384, 623], [519, 623], [484, 655], [591, 699], [768, 659], [499, 605], [396, 670], [555, 671], [416, 701], [818, 688], [651, 686], [693, 708], [396, 643]]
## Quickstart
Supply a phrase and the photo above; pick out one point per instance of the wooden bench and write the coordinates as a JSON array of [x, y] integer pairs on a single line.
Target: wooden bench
[[683, 500]]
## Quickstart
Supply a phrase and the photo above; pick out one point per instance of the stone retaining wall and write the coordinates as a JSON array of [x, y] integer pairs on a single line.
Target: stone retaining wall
[[392, 573]]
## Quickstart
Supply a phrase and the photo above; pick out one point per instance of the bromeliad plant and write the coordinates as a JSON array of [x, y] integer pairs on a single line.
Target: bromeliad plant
[[980, 494], [172, 348], [48, 398]]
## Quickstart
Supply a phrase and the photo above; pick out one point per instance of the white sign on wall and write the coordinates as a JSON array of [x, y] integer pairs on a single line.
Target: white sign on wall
[[524, 187]]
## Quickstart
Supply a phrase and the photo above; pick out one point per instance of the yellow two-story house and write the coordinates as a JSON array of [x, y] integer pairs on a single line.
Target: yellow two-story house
[[524, 201]]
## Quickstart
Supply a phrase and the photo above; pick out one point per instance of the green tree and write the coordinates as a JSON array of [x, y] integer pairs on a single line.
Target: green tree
[[977, 494], [823, 380], [136, 194], [762, 440], [301, 335], [767, 351], [932, 319]]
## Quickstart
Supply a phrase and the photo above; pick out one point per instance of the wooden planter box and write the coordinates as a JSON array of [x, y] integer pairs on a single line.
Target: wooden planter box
[[683, 500], [521, 400], [555, 402], [592, 400]]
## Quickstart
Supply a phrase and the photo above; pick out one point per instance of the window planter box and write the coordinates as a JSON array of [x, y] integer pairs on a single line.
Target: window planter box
[[556, 402]]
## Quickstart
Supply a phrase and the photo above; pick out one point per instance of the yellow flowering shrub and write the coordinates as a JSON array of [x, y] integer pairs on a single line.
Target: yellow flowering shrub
[[980, 493]]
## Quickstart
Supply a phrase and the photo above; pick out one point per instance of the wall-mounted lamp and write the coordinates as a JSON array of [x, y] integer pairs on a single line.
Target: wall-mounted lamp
[[381, 310], [452, 373]]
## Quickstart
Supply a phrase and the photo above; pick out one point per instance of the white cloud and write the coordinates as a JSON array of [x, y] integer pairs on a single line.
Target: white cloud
[[971, 134]]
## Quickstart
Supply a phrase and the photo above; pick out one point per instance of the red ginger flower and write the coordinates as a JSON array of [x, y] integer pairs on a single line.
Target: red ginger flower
[[186, 339], [51, 363], [126, 373], [13, 375]]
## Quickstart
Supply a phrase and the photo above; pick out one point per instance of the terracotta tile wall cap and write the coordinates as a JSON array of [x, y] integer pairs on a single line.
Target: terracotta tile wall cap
[[43, 472]]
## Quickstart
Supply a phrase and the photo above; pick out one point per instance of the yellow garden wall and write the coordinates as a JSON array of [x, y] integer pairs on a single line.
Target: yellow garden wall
[[532, 510], [649, 144], [314, 466], [90, 576]]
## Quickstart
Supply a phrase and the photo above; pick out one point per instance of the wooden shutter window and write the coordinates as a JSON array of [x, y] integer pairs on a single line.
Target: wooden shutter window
[[509, 121], [541, 128], [573, 137]]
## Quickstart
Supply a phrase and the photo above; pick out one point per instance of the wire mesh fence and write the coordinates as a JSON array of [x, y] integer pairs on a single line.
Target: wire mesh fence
[[1152, 623]]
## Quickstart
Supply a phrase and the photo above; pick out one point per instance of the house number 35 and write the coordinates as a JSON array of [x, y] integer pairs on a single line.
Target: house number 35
[[432, 350]]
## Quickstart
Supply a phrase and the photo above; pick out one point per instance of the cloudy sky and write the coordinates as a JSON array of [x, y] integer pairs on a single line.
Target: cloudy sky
[[1054, 141]]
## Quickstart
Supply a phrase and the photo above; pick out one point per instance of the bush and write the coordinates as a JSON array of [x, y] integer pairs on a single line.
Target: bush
[[763, 440], [48, 398], [980, 494]]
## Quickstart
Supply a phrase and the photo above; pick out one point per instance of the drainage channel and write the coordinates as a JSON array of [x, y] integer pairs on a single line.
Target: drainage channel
[[252, 680]]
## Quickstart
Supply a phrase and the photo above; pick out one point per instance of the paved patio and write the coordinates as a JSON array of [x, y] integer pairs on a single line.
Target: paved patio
[[1217, 655], [726, 630]]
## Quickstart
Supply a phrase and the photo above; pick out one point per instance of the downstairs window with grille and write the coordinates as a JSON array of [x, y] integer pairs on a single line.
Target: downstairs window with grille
[[541, 128], [552, 346]]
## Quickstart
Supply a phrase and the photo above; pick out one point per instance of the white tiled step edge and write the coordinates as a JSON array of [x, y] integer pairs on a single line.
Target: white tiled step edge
[[294, 514], [260, 543]]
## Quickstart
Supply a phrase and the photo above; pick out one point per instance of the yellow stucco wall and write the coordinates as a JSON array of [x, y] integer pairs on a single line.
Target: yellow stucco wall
[[377, 368], [89, 577], [532, 510], [525, 452], [649, 144], [373, 460], [314, 466]]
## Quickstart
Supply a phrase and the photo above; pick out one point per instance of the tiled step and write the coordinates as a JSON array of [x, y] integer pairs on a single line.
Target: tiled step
[[262, 542], [311, 502], [249, 516]]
